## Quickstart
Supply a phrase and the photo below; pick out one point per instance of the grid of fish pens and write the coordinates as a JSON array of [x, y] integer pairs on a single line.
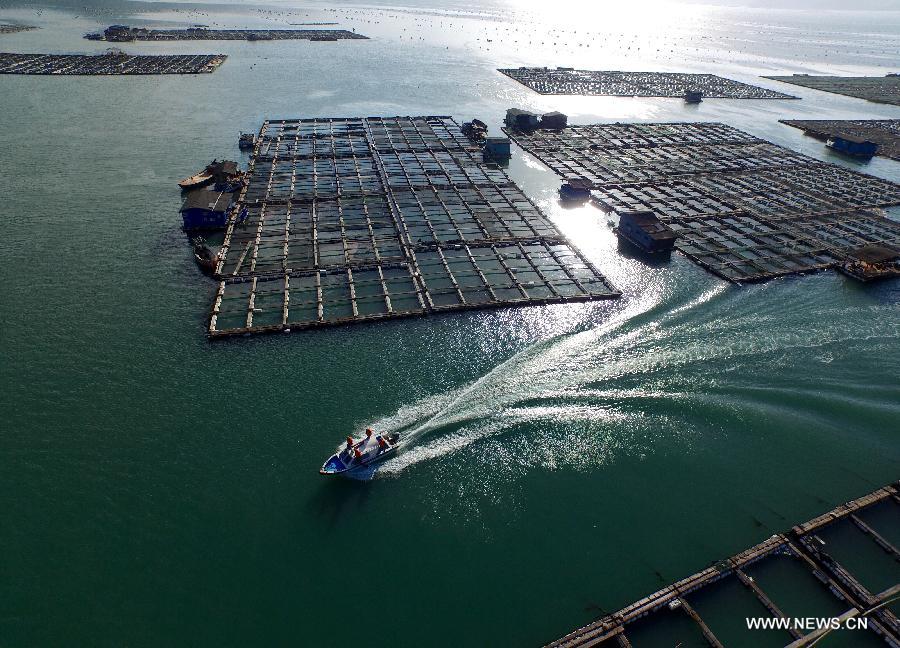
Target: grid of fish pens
[[108, 64], [743, 208], [883, 132], [361, 219], [13, 29], [121, 33], [567, 81], [829, 560], [883, 89]]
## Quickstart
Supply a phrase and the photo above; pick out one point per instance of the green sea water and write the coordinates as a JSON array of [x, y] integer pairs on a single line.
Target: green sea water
[[158, 489]]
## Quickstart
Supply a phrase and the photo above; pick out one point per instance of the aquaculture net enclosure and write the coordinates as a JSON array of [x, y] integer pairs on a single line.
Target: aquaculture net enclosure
[[884, 89], [743, 208], [883, 132], [839, 561], [108, 64], [122, 33], [568, 81], [358, 219]]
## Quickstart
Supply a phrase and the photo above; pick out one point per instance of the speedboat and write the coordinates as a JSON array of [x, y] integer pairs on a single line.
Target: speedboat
[[357, 454]]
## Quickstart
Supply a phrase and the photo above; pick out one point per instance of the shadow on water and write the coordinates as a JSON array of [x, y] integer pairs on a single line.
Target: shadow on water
[[336, 498]]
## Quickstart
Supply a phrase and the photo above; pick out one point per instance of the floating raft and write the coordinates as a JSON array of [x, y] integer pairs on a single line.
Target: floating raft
[[108, 64], [743, 208], [122, 34], [352, 220], [804, 548], [884, 132], [884, 89], [567, 81], [13, 29]]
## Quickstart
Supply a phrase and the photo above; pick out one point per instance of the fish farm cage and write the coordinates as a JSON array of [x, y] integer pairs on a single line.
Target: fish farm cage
[[883, 132], [884, 89], [108, 64], [820, 558], [743, 208], [361, 219], [124, 34], [568, 81], [13, 29]]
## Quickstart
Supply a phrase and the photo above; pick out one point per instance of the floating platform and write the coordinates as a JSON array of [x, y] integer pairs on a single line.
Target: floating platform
[[361, 219], [125, 34], [566, 81], [14, 29], [809, 559], [743, 208], [108, 64], [884, 89], [884, 132]]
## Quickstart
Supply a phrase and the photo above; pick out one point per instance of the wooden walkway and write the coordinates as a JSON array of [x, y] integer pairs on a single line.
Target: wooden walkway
[[801, 544]]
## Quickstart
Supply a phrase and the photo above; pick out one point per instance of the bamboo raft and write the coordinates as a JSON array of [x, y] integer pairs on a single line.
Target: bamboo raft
[[363, 219], [568, 81], [884, 132], [124, 34], [108, 64], [801, 545], [884, 89], [743, 208]]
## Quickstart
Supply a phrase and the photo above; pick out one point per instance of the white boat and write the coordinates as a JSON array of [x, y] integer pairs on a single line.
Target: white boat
[[371, 449]]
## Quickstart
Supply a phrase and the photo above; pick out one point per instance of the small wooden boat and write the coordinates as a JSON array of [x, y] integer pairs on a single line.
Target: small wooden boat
[[246, 141], [204, 256], [218, 171], [198, 180]]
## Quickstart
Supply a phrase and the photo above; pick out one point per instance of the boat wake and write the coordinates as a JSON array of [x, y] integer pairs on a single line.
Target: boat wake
[[613, 388]]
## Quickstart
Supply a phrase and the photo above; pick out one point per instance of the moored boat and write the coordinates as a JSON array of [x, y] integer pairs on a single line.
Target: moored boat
[[224, 171], [204, 256], [246, 141]]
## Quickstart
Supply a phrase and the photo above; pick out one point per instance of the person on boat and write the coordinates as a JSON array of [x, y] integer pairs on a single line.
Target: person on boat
[[349, 443], [368, 435], [382, 444], [357, 454]]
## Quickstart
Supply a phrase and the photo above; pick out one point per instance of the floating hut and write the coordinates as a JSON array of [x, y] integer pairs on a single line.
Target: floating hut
[[522, 119], [576, 189], [855, 146], [554, 121], [872, 262], [646, 231], [206, 209], [497, 149], [693, 96]]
